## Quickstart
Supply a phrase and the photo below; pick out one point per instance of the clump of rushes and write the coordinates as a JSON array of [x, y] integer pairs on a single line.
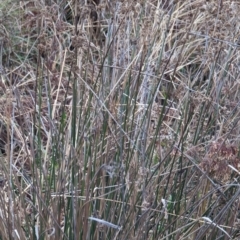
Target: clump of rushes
[[119, 120]]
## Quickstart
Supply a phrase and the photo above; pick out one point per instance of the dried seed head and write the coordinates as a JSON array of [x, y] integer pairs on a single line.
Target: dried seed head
[[218, 159]]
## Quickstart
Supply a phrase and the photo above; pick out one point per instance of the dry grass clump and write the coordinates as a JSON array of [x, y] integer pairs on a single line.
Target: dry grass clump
[[119, 119]]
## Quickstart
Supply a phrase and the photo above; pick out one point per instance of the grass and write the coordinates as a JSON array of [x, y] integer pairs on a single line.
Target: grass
[[119, 120]]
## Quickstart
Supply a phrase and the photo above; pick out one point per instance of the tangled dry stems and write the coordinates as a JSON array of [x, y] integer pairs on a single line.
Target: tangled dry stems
[[124, 90]]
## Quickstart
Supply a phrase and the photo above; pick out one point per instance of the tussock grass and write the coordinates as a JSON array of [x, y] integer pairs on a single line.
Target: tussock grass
[[119, 119]]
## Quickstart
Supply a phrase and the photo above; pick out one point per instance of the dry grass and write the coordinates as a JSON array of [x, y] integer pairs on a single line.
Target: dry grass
[[119, 119]]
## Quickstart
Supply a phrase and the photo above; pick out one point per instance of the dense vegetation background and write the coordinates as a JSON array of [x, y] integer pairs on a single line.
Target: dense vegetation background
[[119, 119]]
